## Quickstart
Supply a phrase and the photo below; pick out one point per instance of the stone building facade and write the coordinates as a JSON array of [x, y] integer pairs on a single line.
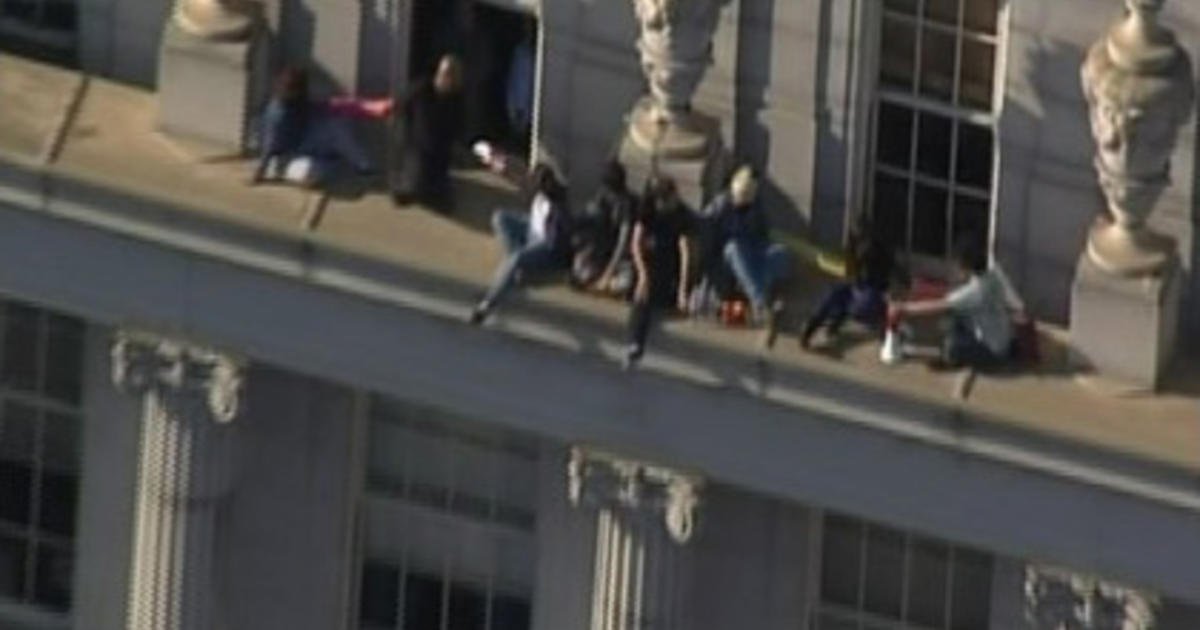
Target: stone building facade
[[205, 425]]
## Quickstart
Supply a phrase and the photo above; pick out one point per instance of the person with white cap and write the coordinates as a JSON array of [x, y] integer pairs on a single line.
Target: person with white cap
[[742, 236]]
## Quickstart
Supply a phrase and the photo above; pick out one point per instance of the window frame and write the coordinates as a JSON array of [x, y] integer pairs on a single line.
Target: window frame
[[911, 100], [400, 501], [861, 618], [26, 611], [59, 45]]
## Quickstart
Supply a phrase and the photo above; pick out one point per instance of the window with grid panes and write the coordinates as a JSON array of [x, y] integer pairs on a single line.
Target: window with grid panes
[[878, 578], [43, 29], [932, 162], [41, 367], [450, 512]]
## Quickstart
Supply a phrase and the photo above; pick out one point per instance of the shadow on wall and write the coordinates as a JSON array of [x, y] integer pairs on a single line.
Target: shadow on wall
[[752, 136], [1048, 193], [832, 152]]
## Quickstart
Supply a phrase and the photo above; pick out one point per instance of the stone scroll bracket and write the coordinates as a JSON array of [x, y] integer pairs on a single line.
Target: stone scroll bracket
[[602, 480], [1057, 599], [196, 382]]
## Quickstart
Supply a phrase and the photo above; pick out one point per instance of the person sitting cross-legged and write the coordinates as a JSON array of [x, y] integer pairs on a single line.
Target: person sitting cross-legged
[[741, 234], [980, 331], [534, 242]]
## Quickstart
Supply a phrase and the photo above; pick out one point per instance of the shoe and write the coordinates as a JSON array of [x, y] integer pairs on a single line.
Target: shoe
[[771, 330], [478, 314], [633, 355], [810, 329]]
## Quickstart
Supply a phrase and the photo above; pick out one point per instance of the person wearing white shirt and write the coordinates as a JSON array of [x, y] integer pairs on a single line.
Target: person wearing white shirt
[[981, 329], [533, 243]]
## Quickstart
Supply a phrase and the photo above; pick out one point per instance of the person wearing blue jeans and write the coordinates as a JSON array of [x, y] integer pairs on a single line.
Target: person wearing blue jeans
[[741, 235], [536, 243], [303, 141], [869, 269]]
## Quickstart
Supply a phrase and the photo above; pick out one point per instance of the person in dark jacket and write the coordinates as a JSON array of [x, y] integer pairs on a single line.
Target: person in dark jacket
[[661, 248], [602, 260], [870, 265], [741, 236], [303, 140], [432, 116], [536, 242]]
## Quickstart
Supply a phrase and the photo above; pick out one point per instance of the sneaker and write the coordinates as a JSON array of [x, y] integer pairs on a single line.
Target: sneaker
[[806, 334], [633, 354], [771, 326], [478, 314]]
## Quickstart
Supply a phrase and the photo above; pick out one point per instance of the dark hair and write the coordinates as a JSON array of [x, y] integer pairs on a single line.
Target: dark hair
[[291, 85], [546, 182], [966, 254], [614, 176]]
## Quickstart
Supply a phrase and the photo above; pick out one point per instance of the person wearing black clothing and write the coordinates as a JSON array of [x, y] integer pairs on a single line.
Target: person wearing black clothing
[[602, 236], [869, 268], [432, 115], [660, 246]]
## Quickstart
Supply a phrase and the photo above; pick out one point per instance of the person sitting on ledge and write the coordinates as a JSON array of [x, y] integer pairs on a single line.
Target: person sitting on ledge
[[980, 332], [533, 243], [661, 249], [870, 265], [303, 141], [602, 260], [741, 235]]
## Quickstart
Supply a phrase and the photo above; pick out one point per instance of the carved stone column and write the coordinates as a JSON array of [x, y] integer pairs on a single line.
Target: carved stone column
[[645, 516], [1137, 80], [1056, 599], [189, 397]]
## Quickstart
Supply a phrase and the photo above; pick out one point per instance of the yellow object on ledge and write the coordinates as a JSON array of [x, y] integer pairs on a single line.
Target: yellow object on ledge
[[832, 263]]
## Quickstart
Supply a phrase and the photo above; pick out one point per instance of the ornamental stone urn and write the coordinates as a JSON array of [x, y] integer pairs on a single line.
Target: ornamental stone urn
[[675, 44], [1138, 84], [226, 20]]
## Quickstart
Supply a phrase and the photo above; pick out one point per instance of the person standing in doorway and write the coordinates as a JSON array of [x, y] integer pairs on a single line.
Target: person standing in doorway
[[432, 115], [519, 89]]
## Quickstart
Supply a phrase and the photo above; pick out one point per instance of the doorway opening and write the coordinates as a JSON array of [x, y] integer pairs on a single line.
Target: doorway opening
[[498, 47]]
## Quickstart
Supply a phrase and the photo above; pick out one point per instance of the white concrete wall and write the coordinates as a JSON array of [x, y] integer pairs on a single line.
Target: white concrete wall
[[1047, 193], [285, 544], [104, 541], [751, 563], [566, 539], [120, 38]]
